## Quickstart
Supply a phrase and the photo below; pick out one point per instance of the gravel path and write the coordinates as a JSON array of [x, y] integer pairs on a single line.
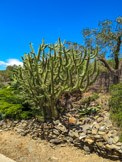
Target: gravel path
[[25, 149]]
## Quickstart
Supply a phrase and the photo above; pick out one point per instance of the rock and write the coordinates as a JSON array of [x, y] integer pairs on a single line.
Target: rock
[[73, 134], [72, 121], [19, 130], [55, 141], [56, 122], [100, 119], [82, 136], [99, 144], [105, 137], [61, 127], [86, 127], [102, 129], [86, 148], [108, 147], [97, 136], [101, 133], [110, 141], [96, 126], [89, 141], [119, 144], [94, 131], [70, 139], [56, 132], [116, 139]]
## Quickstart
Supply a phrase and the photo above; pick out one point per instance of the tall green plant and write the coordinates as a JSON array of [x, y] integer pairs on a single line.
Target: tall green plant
[[45, 76]]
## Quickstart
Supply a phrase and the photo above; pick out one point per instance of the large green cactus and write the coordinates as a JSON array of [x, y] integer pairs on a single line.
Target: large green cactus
[[45, 76]]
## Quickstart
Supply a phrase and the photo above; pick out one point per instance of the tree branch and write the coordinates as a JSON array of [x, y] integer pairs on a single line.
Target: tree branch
[[106, 64]]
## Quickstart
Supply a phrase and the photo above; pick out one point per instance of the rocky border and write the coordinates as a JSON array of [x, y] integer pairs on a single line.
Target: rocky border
[[90, 133]]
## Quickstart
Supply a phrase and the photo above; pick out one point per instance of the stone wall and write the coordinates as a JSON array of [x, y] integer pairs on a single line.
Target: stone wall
[[89, 133], [104, 80]]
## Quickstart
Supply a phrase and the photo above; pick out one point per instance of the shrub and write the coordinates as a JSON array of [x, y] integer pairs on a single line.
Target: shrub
[[115, 104], [1, 85], [11, 105]]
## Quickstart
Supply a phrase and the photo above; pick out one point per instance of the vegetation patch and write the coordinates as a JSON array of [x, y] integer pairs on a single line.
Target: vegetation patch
[[89, 110], [115, 103], [11, 105]]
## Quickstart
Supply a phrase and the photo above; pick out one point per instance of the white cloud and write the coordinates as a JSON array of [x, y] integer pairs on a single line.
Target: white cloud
[[11, 62]]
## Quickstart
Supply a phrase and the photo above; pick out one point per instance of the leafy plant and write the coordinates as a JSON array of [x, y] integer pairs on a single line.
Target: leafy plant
[[11, 105], [89, 110], [1, 85]]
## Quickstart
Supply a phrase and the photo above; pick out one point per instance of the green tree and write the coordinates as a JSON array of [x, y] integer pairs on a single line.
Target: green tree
[[108, 36]]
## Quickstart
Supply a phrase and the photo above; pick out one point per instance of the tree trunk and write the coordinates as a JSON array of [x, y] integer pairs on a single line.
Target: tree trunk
[[116, 53]]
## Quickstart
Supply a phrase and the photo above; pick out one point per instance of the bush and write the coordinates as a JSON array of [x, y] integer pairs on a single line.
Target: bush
[[1, 85], [115, 104], [11, 106]]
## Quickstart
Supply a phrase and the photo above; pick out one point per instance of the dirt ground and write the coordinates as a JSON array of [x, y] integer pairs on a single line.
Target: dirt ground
[[25, 149]]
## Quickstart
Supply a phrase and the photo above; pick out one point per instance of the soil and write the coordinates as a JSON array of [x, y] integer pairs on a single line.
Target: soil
[[25, 149]]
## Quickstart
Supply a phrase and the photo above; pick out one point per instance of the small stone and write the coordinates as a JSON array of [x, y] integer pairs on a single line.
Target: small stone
[[115, 147], [70, 139], [99, 144], [110, 141], [94, 131], [101, 133], [96, 125], [73, 134], [72, 121], [86, 148], [108, 147], [119, 144], [100, 119], [89, 141], [89, 131], [82, 136], [97, 136], [19, 130], [116, 139], [55, 141], [56, 122], [56, 132], [86, 127], [105, 137], [102, 129], [61, 127]]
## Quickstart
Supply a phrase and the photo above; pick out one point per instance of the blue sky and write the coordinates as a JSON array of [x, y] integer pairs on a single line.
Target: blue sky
[[25, 21]]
